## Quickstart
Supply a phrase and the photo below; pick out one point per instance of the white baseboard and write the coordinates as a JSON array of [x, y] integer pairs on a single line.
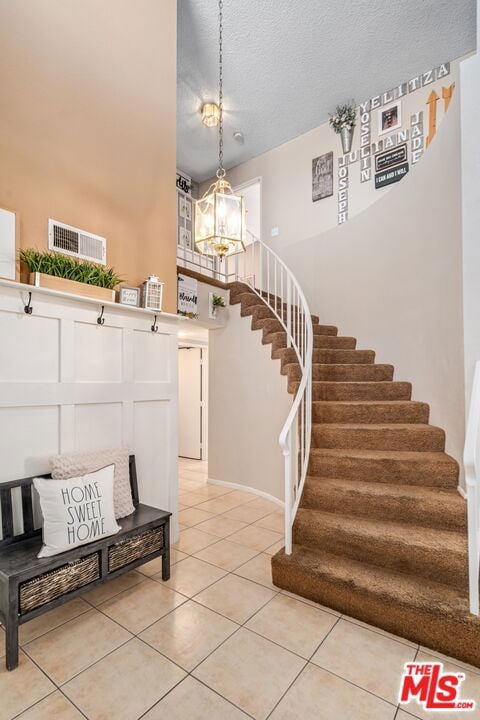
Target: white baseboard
[[462, 492], [255, 491]]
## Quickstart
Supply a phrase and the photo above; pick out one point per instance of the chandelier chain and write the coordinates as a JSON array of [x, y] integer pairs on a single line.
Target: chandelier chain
[[221, 170]]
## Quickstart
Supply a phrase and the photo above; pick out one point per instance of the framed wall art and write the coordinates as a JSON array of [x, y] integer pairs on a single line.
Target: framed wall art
[[129, 296], [322, 176], [389, 118], [185, 238], [185, 207]]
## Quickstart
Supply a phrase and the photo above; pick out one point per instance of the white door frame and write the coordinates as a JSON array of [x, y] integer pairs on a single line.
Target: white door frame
[[248, 183], [201, 400]]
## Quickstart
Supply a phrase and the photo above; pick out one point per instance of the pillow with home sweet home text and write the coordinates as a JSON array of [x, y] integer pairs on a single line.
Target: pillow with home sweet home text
[[76, 511]]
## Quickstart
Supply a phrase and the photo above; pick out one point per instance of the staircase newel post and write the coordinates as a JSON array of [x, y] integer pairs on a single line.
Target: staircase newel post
[[288, 495]]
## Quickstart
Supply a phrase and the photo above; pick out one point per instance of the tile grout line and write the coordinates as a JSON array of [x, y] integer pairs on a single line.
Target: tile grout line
[[342, 616], [21, 645], [74, 704], [37, 702], [240, 626], [243, 625], [308, 661]]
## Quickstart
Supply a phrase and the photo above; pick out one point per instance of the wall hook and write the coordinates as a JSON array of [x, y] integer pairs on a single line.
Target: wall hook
[[154, 327], [101, 319], [28, 307]]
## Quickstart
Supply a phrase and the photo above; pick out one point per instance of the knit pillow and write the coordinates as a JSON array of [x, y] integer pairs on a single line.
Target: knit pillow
[[76, 511], [75, 464]]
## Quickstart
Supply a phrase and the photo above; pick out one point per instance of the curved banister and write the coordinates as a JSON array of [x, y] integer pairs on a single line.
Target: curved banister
[[473, 491], [271, 279]]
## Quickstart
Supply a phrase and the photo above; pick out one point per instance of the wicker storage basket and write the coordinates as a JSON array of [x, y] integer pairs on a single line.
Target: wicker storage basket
[[127, 551], [65, 579]]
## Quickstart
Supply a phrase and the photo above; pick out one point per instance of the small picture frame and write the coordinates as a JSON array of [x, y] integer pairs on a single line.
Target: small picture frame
[[185, 237], [389, 118], [185, 208], [129, 296], [322, 176]]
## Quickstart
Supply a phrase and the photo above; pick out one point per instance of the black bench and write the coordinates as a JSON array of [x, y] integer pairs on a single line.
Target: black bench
[[30, 586]]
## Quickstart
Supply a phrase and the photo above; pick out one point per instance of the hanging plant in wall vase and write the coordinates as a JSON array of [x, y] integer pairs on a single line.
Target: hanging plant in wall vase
[[343, 122], [216, 301]]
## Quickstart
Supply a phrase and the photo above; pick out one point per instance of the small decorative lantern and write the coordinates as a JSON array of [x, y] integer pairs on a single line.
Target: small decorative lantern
[[152, 293]]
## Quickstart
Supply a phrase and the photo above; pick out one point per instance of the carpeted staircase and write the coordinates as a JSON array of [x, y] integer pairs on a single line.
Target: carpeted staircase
[[381, 531]]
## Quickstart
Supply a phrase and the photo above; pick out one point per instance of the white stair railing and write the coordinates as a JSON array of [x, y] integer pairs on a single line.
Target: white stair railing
[[262, 269], [210, 267], [472, 478]]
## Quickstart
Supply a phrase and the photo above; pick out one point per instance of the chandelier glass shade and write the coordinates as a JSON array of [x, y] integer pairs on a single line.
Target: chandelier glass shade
[[220, 213], [220, 221]]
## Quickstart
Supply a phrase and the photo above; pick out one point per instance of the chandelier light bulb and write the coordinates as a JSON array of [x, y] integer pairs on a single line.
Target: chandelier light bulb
[[210, 114]]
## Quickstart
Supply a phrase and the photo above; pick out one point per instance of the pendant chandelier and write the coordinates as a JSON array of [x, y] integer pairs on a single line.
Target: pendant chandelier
[[220, 214]]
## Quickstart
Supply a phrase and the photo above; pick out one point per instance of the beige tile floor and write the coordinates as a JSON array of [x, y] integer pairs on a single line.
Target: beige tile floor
[[218, 641]]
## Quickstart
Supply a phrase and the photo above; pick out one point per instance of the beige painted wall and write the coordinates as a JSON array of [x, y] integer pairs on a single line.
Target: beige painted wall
[[286, 173], [87, 126], [392, 277], [248, 405]]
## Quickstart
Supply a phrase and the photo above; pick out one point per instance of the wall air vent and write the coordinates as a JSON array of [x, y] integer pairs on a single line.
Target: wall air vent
[[70, 240]]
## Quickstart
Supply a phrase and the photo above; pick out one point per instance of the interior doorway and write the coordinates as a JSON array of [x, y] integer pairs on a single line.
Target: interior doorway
[[252, 195], [192, 402]]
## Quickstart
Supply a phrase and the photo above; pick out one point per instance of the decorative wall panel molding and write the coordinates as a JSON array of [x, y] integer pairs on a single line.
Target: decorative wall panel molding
[[67, 383]]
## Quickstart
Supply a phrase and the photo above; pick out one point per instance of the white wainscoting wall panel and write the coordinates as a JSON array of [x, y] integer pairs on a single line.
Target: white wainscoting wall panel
[[67, 383]]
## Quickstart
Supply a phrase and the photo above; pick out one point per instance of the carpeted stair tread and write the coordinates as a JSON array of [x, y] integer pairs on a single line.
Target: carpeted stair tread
[[429, 552], [407, 468], [424, 506], [343, 373], [249, 298], [329, 356], [258, 314], [370, 411], [367, 390], [273, 324], [420, 610], [245, 299], [279, 340], [418, 437]]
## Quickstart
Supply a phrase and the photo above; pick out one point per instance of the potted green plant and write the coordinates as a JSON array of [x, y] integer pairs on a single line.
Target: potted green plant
[[343, 122], [67, 274], [217, 301]]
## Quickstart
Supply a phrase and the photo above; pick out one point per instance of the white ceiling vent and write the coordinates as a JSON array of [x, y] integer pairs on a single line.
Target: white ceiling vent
[[70, 240]]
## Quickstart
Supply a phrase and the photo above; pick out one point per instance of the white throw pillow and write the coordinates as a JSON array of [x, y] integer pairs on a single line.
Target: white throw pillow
[[76, 511]]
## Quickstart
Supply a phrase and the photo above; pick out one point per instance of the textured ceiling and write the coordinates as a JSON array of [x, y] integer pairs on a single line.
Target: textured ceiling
[[287, 64]]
